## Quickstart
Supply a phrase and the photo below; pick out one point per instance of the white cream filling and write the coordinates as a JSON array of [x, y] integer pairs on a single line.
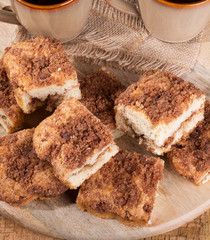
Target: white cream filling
[[71, 86], [24, 99], [90, 160], [121, 123], [184, 129], [86, 171], [74, 92], [142, 125]]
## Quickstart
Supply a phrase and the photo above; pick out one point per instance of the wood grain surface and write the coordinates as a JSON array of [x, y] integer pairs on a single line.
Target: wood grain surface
[[179, 200], [198, 229]]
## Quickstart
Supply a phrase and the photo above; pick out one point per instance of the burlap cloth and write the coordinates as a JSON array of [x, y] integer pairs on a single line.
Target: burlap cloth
[[121, 40]]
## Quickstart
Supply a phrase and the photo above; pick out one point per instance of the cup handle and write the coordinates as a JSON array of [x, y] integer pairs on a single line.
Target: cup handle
[[125, 7], [6, 15]]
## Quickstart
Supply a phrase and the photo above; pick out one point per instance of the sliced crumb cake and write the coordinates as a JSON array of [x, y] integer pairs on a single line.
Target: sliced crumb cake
[[159, 109], [40, 73], [75, 142], [23, 176], [191, 156], [124, 188]]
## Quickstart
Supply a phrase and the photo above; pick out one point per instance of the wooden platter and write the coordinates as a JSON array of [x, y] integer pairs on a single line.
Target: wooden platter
[[179, 200]]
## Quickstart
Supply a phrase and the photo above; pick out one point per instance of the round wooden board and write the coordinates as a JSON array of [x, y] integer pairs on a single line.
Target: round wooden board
[[179, 200]]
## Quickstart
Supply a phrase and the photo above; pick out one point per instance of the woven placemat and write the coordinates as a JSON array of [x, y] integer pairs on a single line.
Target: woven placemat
[[121, 41]]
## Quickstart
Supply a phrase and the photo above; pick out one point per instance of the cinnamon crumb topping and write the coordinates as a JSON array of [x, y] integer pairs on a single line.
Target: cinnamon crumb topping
[[191, 156], [161, 95], [8, 104], [99, 92], [23, 176], [74, 135], [7, 98], [40, 61], [125, 186]]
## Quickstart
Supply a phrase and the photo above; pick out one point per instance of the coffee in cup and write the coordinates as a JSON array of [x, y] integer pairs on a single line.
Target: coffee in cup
[[170, 20], [45, 2], [59, 19]]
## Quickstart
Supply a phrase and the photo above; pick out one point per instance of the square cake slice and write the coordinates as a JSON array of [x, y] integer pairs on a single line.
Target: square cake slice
[[191, 156], [124, 188], [74, 141], [159, 109], [99, 92], [11, 115], [40, 72], [23, 176]]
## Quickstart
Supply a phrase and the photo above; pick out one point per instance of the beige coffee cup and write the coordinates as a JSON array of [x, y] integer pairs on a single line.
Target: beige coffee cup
[[167, 21], [63, 21]]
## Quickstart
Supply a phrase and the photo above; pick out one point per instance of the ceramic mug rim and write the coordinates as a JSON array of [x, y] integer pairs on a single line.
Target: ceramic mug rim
[[183, 5], [47, 7]]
